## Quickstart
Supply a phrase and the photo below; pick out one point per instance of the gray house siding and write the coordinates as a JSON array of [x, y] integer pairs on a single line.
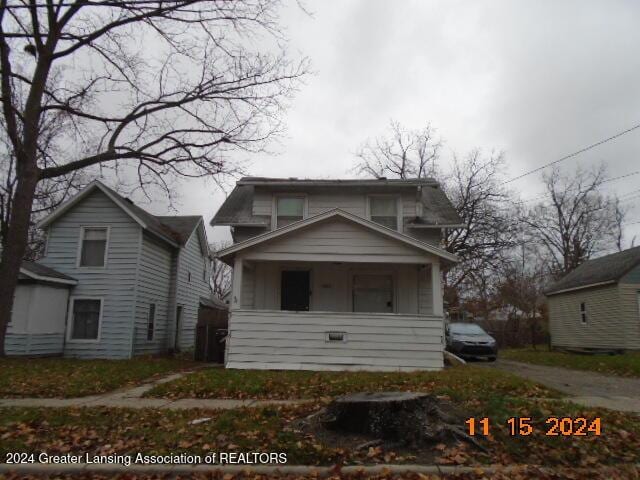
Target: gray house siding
[[154, 287], [354, 203], [115, 284], [191, 261], [613, 315], [629, 288], [605, 326]]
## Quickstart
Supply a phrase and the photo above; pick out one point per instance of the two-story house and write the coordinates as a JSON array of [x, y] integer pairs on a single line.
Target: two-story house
[[336, 274], [115, 281]]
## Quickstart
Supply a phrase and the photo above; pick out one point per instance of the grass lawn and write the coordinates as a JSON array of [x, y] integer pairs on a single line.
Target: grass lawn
[[459, 383], [62, 377], [96, 431], [627, 364]]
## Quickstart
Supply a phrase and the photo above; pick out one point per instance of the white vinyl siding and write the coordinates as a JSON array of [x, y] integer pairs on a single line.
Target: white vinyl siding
[[288, 340], [37, 321], [191, 259], [354, 202], [154, 287], [115, 283], [338, 237]]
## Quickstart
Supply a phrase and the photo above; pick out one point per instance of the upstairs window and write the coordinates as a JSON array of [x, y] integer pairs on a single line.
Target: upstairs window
[[583, 313], [93, 251], [289, 210], [384, 210]]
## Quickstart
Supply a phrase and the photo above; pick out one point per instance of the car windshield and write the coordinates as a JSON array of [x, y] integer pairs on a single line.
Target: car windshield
[[466, 329]]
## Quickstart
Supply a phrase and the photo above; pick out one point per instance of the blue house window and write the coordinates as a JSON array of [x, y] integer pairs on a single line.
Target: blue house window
[[86, 315]]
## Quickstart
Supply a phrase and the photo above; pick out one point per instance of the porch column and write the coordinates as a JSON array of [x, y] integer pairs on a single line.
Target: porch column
[[236, 288], [436, 283]]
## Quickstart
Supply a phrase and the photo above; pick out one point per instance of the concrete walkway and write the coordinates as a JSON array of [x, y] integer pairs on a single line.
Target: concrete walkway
[[132, 398], [583, 387]]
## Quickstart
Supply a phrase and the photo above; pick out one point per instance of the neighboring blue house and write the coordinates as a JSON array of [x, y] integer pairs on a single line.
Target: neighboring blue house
[[115, 281]]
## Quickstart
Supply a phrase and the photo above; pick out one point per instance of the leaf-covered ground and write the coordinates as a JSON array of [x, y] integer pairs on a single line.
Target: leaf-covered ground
[[459, 383], [63, 377], [627, 364], [523, 473], [276, 429]]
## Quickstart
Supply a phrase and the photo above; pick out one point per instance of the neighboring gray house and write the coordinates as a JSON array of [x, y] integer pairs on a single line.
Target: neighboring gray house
[[336, 274], [597, 306], [115, 281]]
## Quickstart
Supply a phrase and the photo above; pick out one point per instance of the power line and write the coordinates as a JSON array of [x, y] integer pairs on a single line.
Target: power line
[[574, 154], [544, 194]]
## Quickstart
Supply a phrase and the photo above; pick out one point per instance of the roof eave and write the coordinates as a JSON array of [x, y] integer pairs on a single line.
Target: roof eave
[[549, 293], [45, 278], [441, 253]]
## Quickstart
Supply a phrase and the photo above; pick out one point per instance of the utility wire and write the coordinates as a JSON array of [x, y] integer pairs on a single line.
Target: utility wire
[[544, 194], [574, 154]]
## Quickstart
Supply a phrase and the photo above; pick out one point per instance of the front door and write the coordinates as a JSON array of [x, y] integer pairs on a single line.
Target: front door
[[295, 290]]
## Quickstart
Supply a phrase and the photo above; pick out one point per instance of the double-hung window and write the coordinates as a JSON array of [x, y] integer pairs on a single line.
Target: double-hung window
[[85, 318], [289, 210], [583, 313], [93, 248], [383, 209]]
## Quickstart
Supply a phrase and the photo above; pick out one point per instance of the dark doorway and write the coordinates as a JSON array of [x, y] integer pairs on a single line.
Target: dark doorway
[[295, 290]]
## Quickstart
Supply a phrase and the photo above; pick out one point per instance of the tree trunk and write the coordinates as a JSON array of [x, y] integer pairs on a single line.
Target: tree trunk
[[13, 253]]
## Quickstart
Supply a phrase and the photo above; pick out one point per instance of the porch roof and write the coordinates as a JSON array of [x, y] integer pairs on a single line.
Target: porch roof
[[229, 252]]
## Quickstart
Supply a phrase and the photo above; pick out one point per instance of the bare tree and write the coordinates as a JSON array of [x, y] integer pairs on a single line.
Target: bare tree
[[157, 88], [576, 220], [403, 153], [220, 272], [483, 203], [474, 185]]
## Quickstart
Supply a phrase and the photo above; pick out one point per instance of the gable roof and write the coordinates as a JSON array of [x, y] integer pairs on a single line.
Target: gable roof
[[599, 271], [37, 271], [175, 230], [292, 227], [237, 209]]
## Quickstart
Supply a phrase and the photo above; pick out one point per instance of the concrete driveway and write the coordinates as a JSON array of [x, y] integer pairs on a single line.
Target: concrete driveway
[[586, 388]]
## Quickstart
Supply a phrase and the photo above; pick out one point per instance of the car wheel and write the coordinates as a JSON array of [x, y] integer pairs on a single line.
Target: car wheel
[[492, 359]]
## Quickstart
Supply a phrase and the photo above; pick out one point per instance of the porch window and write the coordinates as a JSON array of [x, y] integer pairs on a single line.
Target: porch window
[[373, 293], [85, 323], [93, 246], [289, 210], [384, 210]]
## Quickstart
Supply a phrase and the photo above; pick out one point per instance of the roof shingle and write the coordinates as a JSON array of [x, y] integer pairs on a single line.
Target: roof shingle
[[609, 268]]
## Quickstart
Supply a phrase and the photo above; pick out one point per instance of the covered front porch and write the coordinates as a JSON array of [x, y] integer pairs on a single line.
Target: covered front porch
[[335, 315], [335, 292]]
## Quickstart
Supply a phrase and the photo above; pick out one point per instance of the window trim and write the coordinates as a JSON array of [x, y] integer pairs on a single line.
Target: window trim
[[393, 273], [72, 301], [83, 229], [399, 215], [153, 331], [583, 313], [274, 206]]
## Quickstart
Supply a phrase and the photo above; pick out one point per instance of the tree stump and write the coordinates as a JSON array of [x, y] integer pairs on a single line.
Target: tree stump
[[406, 417]]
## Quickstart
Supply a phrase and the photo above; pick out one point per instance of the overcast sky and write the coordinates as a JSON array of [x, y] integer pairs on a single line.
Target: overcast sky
[[535, 79]]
